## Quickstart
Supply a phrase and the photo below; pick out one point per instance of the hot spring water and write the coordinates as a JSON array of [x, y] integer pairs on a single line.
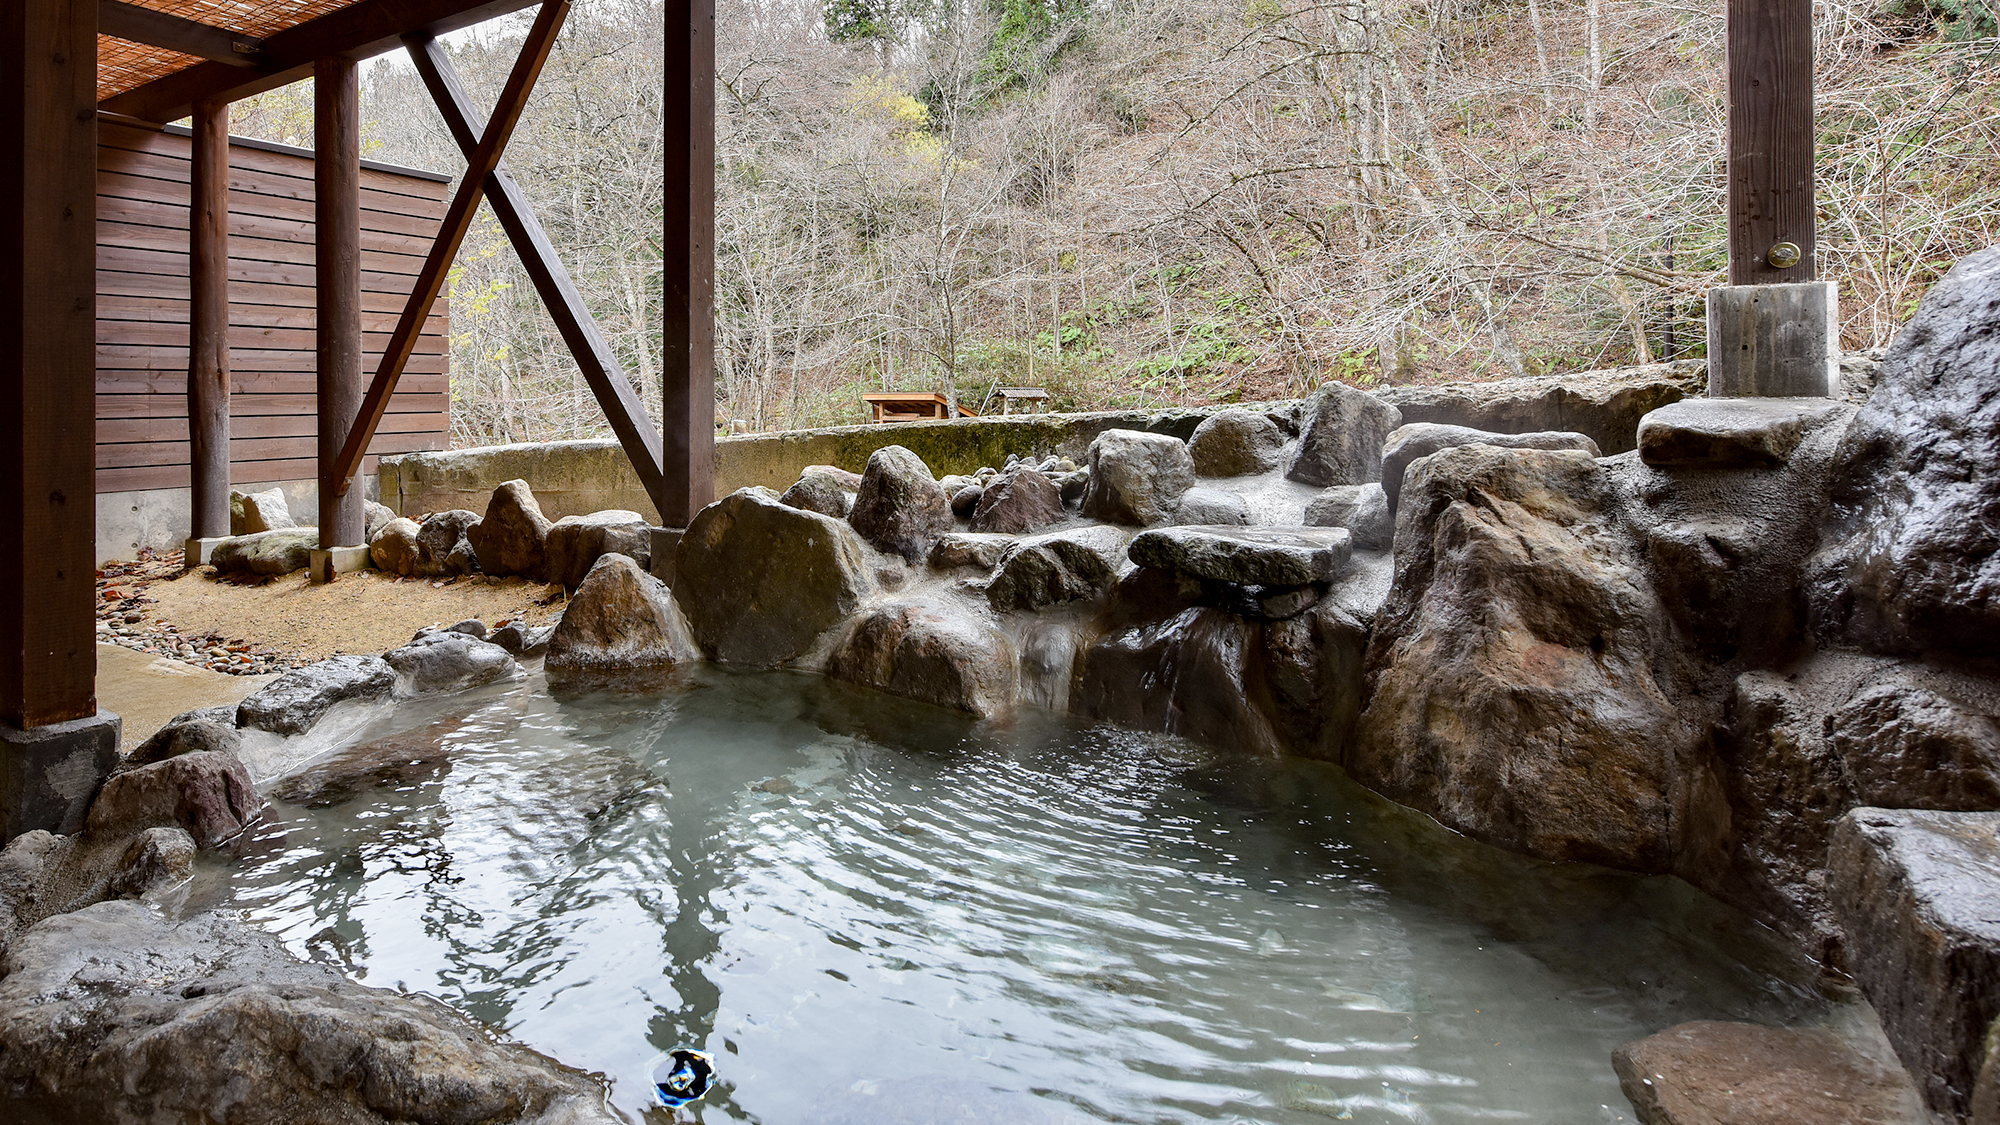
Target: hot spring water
[[872, 912]]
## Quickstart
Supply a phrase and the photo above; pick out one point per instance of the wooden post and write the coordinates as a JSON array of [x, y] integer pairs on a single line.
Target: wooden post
[[688, 257], [208, 323], [1770, 50], [337, 181]]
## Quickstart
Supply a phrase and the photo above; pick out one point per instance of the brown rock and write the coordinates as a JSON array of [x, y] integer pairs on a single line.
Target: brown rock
[[621, 617], [1406, 444], [1235, 443], [900, 508], [1342, 439], [513, 538], [395, 550], [1136, 478], [760, 580], [445, 544], [1056, 567], [824, 489], [933, 653], [1019, 501], [575, 543], [1713, 1073], [208, 793]]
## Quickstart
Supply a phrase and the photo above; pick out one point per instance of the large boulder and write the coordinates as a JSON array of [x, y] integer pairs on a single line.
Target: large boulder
[[1516, 672], [1714, 1073], [959, 550], [444, 544], [824, 489], [1212, 506], [900, 507], [1405, 444], [1236, 443], [267, 553], [394, 548], [760, 580], [1910, 561], [1363, 509], [43, 874], [620, 617], [207, 793], [1191, 674], [513, 537], [931, 652], [1918, 895], [116, 1013], [1019, 501], [204, 728], [449, 661], [1055, 568], [254, 512], [1731, 433], [575, 543], [1246, 556], [1909, 741], [1136, 478], [1605, 405], [293, 702], [1342, 439]]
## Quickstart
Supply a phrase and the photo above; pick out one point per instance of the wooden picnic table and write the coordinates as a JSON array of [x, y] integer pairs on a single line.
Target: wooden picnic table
[[911, 406]]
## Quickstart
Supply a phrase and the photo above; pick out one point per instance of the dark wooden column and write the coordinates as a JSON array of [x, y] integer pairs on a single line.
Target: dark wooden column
[[688, 409], [337, 183], [208, 323], [1770, 47], [48, 312]]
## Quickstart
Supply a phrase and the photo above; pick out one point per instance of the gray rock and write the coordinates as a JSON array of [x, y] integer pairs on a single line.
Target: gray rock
[[1604, 405], [450, 661], [760, 580], [205, 728], [471, 627], [621, 617], [1910, 561], [1136, 478], [1260, 556], [114, 1013], [965, 499], [374, 516], [254, 512], [1859, 372], [933, 653], [513, 536], [1056, 567], [43, 874], [1073, 484], [293, 702], [575, 543], [1188, 675], [900, 508], [1236, 443], [206, 793], [1312, 663], [444, 544], [1730, 432], [824, 489], [523, 641], [1713, 1073], [1406, 444], [1363, 509], [267, 552], [395, 550], [1212, 506], [1918, 896], [1906, 743], [958, 550], [1019, 501], [1342, 439], [1515, 675]]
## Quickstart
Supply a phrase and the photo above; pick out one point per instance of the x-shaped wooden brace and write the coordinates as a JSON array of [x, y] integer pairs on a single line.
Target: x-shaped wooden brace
[[486, 176]]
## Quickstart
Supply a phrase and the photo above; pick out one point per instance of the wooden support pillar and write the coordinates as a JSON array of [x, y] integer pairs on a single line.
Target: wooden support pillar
[[55, 744], [337, 271], [1770, 53], [688, 255], [208, 323]]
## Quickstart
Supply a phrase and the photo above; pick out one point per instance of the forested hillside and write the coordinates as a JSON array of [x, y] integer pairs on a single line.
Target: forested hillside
[[1177, 201]]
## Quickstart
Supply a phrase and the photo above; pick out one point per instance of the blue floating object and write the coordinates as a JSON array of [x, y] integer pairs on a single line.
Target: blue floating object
[[683, 1077]]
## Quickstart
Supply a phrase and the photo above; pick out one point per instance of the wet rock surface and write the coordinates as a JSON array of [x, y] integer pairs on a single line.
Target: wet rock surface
[[401, 759], [1341, 442], [1730, 432], [1235, 443], [115, 1013], [1714, 1073], [207, 793], [1910, 561], [1056, 568], [575, 543], [1212, 506], [293, 702], [1406, 444], [1191, 674], [449, 661], [1018, 501], [513, 536], [760, 580], [1259, 556], [1363, 509], [931, 652], [1136, 478], [959, 550], [620, 617], [824, 489], [1918, 897], [43, 874], [900, 508]]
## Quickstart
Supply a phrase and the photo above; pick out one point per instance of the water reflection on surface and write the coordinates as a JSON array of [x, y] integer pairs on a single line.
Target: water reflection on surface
[[871, 911]]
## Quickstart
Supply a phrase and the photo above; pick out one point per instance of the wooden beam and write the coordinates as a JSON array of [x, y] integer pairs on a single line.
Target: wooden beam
[[688, 257], [593, 354], [458, 218], [337, 273], [359, 31], [1770, 59], [208, 322], [134, 24], [48, 309]]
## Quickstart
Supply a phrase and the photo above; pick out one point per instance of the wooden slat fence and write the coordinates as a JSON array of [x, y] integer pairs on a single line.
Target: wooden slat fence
[[142, 310]]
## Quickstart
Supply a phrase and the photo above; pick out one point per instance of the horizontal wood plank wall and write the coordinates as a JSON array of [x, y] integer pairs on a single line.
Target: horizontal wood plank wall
[[142, 311]]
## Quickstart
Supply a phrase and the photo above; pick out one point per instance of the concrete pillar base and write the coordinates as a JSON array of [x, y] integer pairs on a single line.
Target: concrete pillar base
[[48, 775], [200, 552], [333, 561], [1774, 341], [666, 545]]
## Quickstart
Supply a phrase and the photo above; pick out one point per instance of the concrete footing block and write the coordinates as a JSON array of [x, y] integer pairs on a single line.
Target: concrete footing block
[[331, 561], [666, 545], [200, 552], [48, 775], [1774, 341]]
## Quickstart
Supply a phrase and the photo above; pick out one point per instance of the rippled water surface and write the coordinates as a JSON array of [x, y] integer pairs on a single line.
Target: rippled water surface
[[874, 913]]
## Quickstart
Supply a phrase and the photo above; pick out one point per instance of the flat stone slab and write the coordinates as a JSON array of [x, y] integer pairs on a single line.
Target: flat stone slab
[[1918, 896], [1714, 1073], [1730, 432], [1247, 556], [1416, 440]]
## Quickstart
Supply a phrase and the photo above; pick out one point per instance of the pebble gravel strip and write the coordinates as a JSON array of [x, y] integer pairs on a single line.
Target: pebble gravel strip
[[123, 619]]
